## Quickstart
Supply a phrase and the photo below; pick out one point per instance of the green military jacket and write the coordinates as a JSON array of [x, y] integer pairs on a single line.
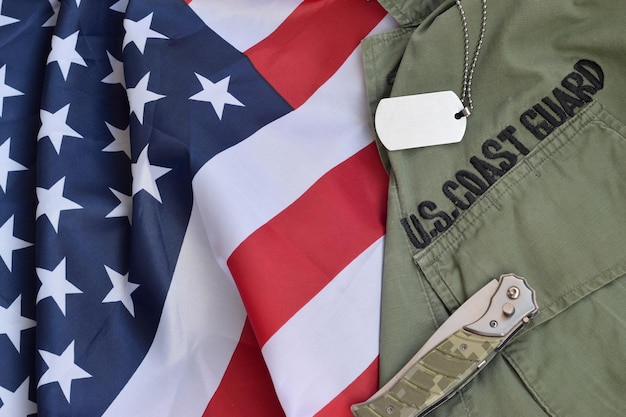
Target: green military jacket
[[536, 187]]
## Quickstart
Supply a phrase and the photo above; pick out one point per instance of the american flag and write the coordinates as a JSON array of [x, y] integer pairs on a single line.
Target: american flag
[[191, 208]]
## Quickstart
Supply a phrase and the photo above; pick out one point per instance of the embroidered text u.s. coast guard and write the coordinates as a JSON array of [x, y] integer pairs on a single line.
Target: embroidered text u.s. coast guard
[[499, 156]]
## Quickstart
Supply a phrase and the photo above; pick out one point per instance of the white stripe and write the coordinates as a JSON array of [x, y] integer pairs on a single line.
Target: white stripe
[[201, 324], [236, 193], [248, 184], [326, 345], [257, 18]]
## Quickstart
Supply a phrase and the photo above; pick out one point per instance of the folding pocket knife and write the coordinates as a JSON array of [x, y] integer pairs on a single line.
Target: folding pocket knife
[[457, 351]]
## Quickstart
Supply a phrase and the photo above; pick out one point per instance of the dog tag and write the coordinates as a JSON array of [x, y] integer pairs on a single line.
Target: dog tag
[[420, 120]]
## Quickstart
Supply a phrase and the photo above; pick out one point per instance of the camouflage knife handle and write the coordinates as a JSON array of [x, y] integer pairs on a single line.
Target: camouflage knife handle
[[429, 380]]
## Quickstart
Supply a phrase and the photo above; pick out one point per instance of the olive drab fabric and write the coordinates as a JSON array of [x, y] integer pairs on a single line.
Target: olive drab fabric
[[537, 187]]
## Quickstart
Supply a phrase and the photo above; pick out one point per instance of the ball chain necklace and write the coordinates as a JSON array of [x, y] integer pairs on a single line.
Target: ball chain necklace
[[435, 118], [468, 69]]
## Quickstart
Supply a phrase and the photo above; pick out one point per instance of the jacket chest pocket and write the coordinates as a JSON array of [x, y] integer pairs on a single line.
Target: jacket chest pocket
[[558, 219]]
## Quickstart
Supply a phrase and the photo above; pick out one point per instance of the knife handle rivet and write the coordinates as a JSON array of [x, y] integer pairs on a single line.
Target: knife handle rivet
[[508, 309], [493, 323], [513, 293]]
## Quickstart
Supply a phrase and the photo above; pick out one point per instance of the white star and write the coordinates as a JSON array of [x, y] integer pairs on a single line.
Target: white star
[[117, 74], [56, 5], [62, 369], [139, 32], [54, 284], [7, 164], [216, 93], [9, 243], [120, 6], [121, 291], [139, 95], [5, 89], [54, 126], [121, 142], [145, 175], [124, 209], [12, 322], [17, 404], [6, 20], [64, 53], [52, 203]]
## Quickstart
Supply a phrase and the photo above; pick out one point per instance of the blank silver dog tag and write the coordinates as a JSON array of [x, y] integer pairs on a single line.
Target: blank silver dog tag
[[419, 120]]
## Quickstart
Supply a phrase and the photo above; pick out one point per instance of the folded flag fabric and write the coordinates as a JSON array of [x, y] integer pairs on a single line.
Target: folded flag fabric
[[192, 208]]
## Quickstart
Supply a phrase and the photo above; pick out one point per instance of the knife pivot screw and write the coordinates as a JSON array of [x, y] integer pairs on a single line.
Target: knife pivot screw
[[390, 409], [493, 324], [513, 293], [508, 309], [463, 346]]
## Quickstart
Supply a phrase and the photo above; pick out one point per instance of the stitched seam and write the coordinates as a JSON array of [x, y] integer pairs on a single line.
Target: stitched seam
[[397, 11], [620, 265], [376, 41], [445, 282], [604, 124], [385, 37], [409, 247], [464, 402], [538, 398], [464, 224]]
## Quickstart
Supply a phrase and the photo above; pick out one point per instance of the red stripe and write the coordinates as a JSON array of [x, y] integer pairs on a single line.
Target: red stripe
[[284, 263], [312, 43], [360, 390], [246, 388]]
